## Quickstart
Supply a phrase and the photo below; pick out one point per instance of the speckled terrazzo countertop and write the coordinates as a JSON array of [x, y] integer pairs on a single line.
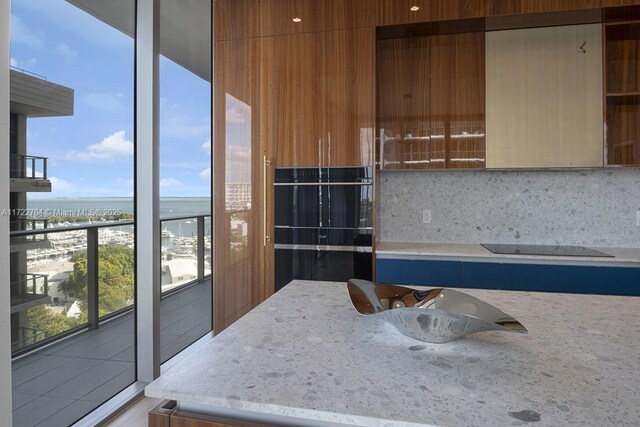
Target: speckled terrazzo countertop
[[306, 356], [472, 252]]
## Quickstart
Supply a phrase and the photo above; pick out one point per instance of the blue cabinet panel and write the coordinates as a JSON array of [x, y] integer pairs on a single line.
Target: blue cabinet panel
[[521, 277], [552, 278], [419, 272]]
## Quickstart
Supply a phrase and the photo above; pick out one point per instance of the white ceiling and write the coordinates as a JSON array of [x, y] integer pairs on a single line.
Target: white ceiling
[[185, 28]]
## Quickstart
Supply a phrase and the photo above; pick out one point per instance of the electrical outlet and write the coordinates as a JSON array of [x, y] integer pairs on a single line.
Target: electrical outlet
[[426, 216], [638, 218]]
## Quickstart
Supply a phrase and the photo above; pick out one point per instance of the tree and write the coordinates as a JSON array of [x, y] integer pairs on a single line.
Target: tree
[[115, 279], [41, 318]]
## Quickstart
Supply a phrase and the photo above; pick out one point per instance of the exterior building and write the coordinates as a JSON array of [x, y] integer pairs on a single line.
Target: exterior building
[[238, 197], [31, 96]]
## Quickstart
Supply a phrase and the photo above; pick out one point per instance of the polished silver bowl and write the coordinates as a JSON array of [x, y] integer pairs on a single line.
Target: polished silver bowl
[[434, 315]]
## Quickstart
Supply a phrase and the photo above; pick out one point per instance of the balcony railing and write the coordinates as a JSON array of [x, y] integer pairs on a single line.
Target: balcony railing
[[28, 167], [31, 285], [28, 337], [187, 244], [26, 225], [184, 256]]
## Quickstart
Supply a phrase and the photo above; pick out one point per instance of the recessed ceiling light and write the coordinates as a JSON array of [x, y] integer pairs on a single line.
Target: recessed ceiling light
[[415, 8], [296, 20]]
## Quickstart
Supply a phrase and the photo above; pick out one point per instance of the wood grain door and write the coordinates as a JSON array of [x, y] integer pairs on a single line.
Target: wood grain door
[[298, 105], [431, 102], [242, 130], [350, 98], [403, 102]]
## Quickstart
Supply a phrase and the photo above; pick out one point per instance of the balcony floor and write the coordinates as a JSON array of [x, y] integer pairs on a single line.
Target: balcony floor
[[59, 384]]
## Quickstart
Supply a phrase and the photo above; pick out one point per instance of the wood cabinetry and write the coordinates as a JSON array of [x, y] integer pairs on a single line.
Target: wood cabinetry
[[238, 19], [323, 107], [544, 101], [622, 92], [411, 11], [298, 108], [242, 132], [430, 106]]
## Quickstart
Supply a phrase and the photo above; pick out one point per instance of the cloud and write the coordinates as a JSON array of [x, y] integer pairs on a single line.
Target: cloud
[[238, 164], [176, 124], [238, 115], [65, 51], [81, 24], [206, 174], [111, 147], [107, 102], [124, 181], [25, 65], [169, 182], [22, 34], [59, 184], [206, 146]]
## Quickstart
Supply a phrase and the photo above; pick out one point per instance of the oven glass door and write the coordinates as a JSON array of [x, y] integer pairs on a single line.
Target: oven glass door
[[340, 206], [325, 265]]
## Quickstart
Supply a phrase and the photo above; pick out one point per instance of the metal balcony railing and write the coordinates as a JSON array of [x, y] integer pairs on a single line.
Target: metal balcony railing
[[185, 246], [197, 241], [23, 224], [28, 167], [31, 285], [29, 336]]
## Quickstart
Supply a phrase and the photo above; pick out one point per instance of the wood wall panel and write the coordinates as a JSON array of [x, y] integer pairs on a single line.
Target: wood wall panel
[[503, 7], [392, 12], [544, 97], [456, 9], [239, 19]]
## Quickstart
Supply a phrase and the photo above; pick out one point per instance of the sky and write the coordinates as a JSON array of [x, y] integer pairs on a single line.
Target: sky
[[91, 153]]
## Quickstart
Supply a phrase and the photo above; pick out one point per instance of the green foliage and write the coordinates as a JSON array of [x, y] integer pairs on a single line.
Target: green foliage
[[115, 289], [94, 218], [115, 278], [42, 318]]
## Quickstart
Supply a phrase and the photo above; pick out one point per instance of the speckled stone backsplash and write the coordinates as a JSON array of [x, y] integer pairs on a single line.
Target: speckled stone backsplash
[[570, 207]]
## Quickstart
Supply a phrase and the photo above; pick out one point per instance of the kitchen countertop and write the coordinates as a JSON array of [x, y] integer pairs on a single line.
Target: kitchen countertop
[[306, 353], [476, 252]]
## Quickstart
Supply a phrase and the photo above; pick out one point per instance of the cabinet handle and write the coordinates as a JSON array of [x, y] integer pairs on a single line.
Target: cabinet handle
[[328, 149], [266, 163], [582, 49]]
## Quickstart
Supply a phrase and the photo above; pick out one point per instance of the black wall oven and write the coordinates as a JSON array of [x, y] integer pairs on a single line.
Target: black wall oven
[[323, 224]]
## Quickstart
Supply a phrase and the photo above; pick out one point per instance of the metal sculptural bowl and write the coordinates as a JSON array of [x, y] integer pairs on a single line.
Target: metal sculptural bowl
[[435, 315]]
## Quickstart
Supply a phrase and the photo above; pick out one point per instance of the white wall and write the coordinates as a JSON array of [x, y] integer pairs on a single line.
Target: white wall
[[592, 207], [5, 296]]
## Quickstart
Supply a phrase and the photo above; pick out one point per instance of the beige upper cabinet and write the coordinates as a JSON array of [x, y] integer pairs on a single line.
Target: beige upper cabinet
[[544, 105]]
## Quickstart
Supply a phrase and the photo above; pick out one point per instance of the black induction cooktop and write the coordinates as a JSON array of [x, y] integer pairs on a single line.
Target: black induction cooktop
[[544, 250]]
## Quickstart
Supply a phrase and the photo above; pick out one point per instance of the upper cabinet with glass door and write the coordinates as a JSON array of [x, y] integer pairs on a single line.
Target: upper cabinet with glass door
[[430, 102]]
